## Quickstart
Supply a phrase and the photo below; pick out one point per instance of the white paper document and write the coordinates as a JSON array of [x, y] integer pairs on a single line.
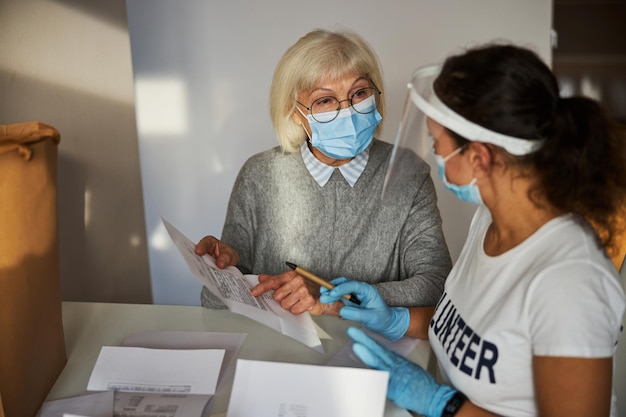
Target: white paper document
[[274, 389], [126, 404], [134, 404], [178, 339], [233, 289], [165, 371], [93, 404]]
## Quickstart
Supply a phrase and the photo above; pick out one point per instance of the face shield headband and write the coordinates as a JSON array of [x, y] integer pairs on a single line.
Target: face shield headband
[[436, 109], [413, 137]]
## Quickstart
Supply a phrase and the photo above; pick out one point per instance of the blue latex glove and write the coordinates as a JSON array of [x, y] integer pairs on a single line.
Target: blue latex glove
[[373, 313], [410, 386]]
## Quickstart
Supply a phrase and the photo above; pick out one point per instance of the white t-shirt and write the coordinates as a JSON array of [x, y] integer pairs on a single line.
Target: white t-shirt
[[555, 294]]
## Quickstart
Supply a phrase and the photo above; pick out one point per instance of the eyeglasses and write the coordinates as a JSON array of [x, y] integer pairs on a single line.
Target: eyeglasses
[[326, 109]]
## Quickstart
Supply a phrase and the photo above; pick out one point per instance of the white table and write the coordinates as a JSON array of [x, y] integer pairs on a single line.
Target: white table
[[89, 326]]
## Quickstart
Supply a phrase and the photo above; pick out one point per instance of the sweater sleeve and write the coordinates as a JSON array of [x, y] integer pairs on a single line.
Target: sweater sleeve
[[236, 231], [423, 253], [239, 224]]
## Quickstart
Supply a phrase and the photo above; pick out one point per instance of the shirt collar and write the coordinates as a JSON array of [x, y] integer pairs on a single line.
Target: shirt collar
[[322, 172]]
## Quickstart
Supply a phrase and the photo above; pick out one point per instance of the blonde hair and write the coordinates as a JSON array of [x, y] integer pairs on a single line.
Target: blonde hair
[[317, 56]]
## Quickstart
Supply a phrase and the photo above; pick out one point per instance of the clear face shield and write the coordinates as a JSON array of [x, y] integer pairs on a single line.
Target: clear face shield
[[423, 110], [413, 136]]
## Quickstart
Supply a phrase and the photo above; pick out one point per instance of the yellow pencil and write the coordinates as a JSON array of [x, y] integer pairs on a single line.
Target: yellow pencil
[[310, 276]]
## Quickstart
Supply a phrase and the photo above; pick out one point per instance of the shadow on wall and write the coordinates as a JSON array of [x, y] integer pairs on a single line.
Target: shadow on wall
[[103, 251], [112, 12]]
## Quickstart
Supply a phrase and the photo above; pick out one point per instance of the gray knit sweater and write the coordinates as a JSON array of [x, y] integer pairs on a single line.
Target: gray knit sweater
[[277, 212]]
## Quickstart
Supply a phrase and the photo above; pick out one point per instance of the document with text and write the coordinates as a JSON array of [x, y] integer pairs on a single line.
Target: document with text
[[167, 371], [233, 289], [145, 404], [149, 382], [126, 404], [93, 404]]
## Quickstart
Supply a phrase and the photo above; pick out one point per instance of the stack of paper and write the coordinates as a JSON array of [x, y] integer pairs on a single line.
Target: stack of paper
[[175, 374]]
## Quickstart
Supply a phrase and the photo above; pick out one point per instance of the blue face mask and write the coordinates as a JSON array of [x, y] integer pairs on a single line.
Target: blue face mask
[[348, 134], [469, 192]]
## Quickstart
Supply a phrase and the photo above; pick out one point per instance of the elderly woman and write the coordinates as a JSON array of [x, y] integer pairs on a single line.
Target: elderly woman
[[316, 200]]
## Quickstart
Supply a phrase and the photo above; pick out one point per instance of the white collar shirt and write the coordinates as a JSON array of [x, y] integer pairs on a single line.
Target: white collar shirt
[[321, 172]]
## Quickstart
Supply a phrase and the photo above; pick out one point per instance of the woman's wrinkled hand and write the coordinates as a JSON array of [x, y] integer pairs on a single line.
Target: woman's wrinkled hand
[[224, 255], [294, 293]]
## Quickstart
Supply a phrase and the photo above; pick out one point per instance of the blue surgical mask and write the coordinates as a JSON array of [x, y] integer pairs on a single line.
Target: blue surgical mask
[[349, 134], [469, 192]]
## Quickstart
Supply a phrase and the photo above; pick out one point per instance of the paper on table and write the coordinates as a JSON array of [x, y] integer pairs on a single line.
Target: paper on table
[[134, 369], [233, 289], [117, 403], [95, 404], [177, 339], [150, 405], [273, 389]]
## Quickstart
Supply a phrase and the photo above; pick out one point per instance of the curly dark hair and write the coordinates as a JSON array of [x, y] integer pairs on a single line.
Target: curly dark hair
[[581, 166]]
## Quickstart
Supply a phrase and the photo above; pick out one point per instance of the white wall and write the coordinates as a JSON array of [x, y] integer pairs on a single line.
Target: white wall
[[202, 75], [67, 63]]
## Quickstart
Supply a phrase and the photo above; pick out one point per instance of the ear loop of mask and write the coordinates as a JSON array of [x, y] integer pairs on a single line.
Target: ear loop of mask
[[455, 152], [447, 158], [468, 192], [302, 124]]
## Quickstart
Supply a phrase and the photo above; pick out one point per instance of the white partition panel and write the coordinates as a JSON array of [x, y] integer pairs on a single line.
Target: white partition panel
[[202, 73]]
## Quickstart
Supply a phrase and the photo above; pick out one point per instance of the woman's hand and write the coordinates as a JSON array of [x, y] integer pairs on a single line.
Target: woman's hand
[[410, 386], [224, 255], [294, 293], [373, 312]]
